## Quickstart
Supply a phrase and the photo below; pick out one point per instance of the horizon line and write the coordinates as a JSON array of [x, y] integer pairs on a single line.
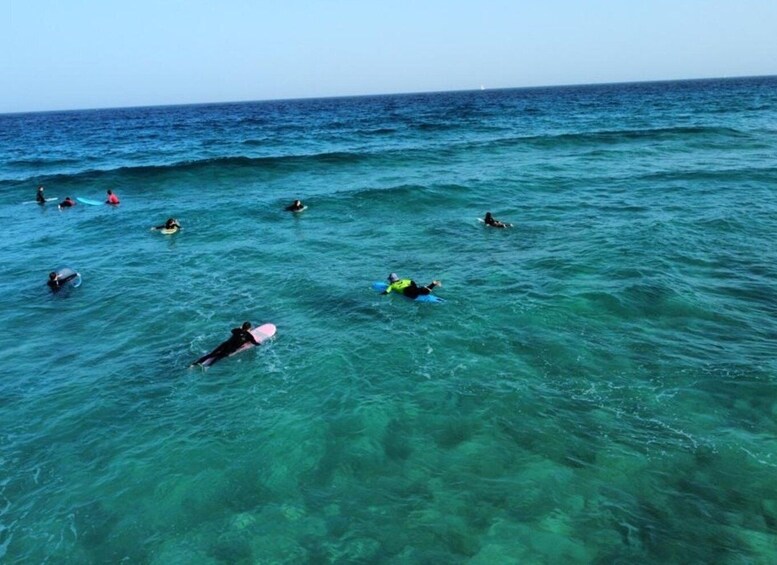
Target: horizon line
[[480, 88]]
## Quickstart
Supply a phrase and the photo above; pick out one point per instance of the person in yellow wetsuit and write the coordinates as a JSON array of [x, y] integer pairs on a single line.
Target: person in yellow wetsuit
[[408, 287]]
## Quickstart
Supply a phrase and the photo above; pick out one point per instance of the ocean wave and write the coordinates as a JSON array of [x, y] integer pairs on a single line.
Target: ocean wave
[[42, 162], [414, 194], [619, 136], [379, 131], [338, 158], [435, 126], [254, 121], [736, 174]]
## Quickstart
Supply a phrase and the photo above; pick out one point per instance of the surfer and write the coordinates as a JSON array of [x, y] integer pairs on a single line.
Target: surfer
[[56, 282], [112, 199], [295, 206], [170, 224], [493, 222], [239, 337], [408, 287], [39, 197], [66, 203]]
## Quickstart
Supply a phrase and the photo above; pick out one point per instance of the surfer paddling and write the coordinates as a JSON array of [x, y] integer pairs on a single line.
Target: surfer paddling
[[296, 206], [56, 281], [408, 287], [240, 336], [494, 223], [170, 224]]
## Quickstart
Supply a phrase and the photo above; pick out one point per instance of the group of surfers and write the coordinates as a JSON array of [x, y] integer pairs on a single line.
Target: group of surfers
[[40, 198], [242, 335]]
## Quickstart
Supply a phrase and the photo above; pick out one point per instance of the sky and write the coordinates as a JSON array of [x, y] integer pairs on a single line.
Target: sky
[[73, 54]]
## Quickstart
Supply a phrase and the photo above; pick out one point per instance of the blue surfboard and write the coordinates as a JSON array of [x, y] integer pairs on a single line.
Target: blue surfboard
[[89, 202], [381, 287]]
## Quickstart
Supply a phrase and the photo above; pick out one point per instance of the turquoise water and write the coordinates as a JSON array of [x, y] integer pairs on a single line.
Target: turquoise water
[[598, 387]]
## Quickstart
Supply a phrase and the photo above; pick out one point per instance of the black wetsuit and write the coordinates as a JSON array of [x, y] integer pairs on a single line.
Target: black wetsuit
[[40, 199], [166, 226], [235, 342], [414, 291], [494, 223], [295, 207], [56, 284]]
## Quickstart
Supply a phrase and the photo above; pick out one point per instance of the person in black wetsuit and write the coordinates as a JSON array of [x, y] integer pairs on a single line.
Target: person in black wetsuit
[[56, 282], [170, 224], [239, 337], [493, 222], [295, 206], [39, 197]]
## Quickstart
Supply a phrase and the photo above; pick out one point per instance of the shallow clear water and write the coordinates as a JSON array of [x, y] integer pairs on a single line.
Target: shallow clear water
[[599, 385]]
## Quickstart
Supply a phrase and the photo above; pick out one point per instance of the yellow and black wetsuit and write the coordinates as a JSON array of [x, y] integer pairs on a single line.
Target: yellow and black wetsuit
[[408, 287]]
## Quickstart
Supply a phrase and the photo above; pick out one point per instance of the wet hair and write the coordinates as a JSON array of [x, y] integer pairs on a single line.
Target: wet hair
[[109, 191], [488, 214], [53, 275], [246, 325]]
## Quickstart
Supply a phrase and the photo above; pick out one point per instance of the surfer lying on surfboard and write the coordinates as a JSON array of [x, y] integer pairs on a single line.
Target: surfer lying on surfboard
[[170, 224], [296, 206], [239, 337], [493, 222], [408, 287], [56, 282]]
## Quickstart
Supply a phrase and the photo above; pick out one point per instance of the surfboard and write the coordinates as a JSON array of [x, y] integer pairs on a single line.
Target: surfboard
[[65, 272], [298, 211], [506, 225], [431, 298], [261, 334], [89, 202], [36, 202], [168, 231]]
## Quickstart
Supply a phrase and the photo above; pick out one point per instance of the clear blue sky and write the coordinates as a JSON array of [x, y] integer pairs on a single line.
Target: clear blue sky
[[60, 54]]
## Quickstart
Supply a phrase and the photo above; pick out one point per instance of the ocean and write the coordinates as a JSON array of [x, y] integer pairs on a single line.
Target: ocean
[[597, 387]]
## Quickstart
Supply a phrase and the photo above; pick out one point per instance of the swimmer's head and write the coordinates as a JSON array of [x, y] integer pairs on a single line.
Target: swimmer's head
[[393, 278]]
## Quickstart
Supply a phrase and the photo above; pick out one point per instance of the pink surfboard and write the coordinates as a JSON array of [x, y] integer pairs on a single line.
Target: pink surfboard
[[261, 334]]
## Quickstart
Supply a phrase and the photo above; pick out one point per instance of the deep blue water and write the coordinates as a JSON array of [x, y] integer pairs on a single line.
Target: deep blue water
[[598, 387]]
